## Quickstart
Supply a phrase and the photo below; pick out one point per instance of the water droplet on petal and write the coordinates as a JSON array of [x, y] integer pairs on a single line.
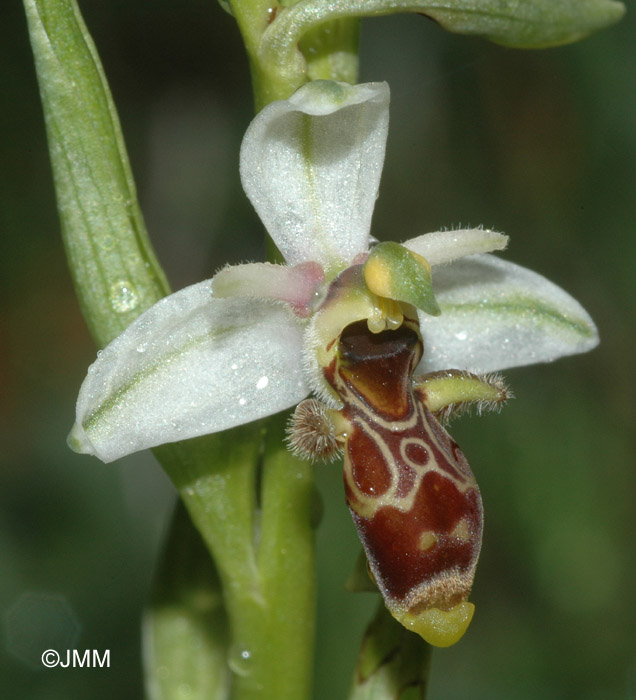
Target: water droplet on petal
[[123, 296], [262, 382]]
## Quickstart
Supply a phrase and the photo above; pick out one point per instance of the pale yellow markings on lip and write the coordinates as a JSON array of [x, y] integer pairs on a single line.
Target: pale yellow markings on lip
[[427, 541], [368, 504], [461, 531]]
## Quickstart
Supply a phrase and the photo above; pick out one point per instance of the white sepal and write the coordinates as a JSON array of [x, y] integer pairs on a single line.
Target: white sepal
[[190, 365], [497, 315], [311, 167], [446, 246]]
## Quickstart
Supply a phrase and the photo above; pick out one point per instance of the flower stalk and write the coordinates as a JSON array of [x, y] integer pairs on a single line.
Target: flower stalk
[[252, 503]]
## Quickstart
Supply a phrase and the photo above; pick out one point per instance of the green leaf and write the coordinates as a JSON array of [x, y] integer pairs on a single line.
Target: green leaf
[[115, 271], [529, 24], [520, 24]]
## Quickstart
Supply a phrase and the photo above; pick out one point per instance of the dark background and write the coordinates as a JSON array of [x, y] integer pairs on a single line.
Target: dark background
[[540, 145]]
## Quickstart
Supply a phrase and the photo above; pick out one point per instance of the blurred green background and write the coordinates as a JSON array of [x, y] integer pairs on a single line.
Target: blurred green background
[[540, 145]]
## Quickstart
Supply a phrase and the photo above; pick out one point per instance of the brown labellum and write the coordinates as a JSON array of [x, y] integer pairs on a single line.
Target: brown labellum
[[412, 495]]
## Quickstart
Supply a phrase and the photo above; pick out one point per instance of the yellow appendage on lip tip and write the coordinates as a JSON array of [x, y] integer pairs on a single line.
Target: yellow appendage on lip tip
[[440, 628]]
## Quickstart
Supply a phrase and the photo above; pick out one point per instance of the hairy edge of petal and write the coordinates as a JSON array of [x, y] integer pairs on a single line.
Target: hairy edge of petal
[[188, 366], [496, 315], [297, 285], [311, 167], [445, 246]]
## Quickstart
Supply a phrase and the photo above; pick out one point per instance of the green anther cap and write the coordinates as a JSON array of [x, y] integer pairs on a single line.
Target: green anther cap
[[394, 272]]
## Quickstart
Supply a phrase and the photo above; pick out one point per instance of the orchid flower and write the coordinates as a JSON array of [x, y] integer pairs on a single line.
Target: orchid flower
[[384, 335]]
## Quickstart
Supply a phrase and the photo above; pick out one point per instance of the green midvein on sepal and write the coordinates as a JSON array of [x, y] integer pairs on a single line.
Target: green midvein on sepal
[[394, 272]]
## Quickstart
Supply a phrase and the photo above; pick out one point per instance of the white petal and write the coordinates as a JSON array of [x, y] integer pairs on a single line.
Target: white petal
[[190, 365], [311, 167], [297, 285], [445, 246], [496, 315]]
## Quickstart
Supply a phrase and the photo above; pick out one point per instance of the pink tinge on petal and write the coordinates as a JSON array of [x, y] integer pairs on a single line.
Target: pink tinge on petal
[[297, 285], [306, 279]]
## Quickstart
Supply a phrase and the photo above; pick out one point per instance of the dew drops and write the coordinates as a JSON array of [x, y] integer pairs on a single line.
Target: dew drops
[[142, 347], [462, 335], [185, 692], [262, 382], [123, 296], [240, 660], [106, 242]]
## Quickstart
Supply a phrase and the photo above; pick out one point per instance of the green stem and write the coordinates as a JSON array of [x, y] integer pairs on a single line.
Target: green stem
[[328, 51], [286, 561], [273, 621], [252, 502]]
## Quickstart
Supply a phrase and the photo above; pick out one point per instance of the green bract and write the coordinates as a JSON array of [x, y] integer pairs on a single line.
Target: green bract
[[114, 268], [282, 51]]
